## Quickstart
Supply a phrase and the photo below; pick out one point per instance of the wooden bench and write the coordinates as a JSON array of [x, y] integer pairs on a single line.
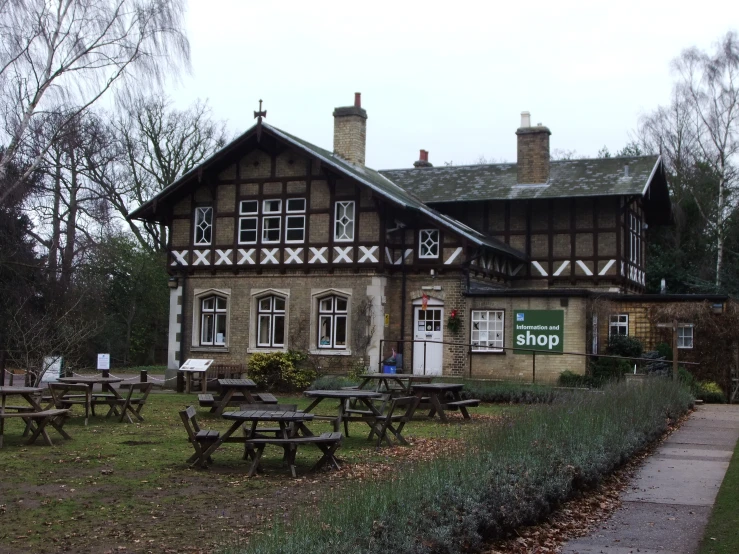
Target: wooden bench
[[462, 406], [327, 442], [65, 395], [394, 423], [200, 439], [42, 419], [265, 397], [206, 400]]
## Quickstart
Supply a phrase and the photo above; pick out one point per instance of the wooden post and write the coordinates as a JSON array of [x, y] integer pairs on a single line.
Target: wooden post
[[533, 366], [144, 376], [674, 349], [106, 373]]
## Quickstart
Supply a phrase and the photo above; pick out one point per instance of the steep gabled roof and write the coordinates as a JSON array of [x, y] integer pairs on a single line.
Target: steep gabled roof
[[368, 177]]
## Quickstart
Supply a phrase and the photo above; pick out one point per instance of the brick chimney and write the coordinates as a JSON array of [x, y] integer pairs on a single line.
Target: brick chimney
[[350, 131], [423, 160], [533, 152]]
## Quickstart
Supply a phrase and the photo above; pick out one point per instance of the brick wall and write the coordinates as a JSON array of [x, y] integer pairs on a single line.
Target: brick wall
[[533, 155]]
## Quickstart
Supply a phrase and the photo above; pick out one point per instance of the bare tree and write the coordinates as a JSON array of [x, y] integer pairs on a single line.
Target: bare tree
[[709, 83], [61, 56], [157, 144]]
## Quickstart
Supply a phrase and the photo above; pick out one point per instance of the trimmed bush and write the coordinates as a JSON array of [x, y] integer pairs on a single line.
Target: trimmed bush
[[511, 474], [710, 392], [508, 393], [280, 371], [333, 382], [571, 379]]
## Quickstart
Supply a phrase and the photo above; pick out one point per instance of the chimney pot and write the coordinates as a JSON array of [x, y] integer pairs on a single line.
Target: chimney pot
[[358, 99], [525, 119], [423, 159]]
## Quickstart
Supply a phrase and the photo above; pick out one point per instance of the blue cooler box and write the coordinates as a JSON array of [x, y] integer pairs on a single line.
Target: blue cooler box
[[388, 368]]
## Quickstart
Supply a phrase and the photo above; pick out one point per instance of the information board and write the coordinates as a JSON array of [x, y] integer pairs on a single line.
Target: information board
[[104, 361], [195, 364], [53, 367], [540, 330]]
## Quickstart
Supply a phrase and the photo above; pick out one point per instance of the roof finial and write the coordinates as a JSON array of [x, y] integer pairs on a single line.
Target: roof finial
[[259, 115]]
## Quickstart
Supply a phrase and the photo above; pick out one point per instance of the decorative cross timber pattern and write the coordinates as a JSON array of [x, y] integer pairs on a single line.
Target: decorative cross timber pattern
[[607, 267], [561, 268], [201, 257], [400, 259], [293, 255], [270, 255], [584, 267], [343, 254], [318, 255], [368, 254], [224, 257], [179, 257], [455, 254], [247, 256], [540, 269]]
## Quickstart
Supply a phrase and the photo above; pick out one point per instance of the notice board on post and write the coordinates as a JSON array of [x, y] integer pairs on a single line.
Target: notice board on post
[[539, 330]]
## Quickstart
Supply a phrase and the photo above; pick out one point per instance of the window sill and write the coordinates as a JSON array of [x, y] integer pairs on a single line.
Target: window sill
[[265, 349], [330, 352], [488, 352], [209, 349]]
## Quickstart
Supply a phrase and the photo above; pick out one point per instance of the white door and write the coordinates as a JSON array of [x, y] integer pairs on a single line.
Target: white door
[[428, 326]]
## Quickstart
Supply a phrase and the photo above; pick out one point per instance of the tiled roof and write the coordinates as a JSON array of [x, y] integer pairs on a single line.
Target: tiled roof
[[568, 178]]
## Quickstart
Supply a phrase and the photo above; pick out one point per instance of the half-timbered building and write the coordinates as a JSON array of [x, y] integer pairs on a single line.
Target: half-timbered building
[[278, 244]]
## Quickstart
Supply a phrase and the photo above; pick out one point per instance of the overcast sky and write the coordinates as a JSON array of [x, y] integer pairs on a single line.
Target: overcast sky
[[450, 77]]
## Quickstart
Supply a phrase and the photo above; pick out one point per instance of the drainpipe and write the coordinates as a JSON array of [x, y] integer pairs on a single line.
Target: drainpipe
[[180, 378], [402, 291]]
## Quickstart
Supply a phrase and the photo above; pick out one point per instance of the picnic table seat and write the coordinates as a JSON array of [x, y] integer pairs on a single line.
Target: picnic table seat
[[328, 442], [266, 397], [394, 422], [42, 419], [65, 395], [200, 439], [471, 403], [352, 409], [206, 400], [134, 401]]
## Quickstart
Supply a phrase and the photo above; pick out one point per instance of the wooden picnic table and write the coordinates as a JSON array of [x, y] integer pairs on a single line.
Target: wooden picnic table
[[436, 393], [229, 388], [392, 382], [363, 396], [108, 396], [34, 415]]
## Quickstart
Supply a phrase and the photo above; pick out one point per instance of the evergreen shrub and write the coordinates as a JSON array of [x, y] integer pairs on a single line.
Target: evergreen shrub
[[280, 371]]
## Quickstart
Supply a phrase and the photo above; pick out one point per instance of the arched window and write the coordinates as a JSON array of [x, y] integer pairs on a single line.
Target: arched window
[[213, 315], [332, 322], [270, 321]]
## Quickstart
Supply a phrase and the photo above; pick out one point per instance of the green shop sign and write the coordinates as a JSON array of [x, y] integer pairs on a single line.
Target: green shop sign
[[540, 330]]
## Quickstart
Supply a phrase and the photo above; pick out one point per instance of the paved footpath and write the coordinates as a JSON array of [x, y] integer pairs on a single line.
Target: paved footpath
[[667, 505]]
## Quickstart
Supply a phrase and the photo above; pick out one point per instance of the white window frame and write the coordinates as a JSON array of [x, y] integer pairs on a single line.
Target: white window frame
[[253, 330], [293, 216], [271, 314], [618, 321], [254, 217], [204, 225], [424, 235], [683, 336], [265, 230], [333, 315], [635, 234], [268, 201], [491, 345], [347, 229], [199, 295]]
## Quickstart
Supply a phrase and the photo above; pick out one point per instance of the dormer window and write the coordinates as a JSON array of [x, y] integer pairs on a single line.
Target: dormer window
[[203, 226], [428, 243]]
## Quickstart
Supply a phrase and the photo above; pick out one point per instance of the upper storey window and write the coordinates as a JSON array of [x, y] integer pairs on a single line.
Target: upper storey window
[[203, 226], [248, 225], [428, 243], [295, 220], [635, 234], [344, 221]]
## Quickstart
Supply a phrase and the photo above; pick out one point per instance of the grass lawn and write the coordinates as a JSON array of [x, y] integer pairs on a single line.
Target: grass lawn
[[722, 532], [121, 484]]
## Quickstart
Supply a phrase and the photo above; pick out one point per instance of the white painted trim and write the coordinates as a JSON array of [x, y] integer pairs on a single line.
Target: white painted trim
[[246, 256], [224, 256], [270, 255], [585, 268], [293, 255], [201, 257], [179, 257], [454, 255], [561, 268], [540, 269], [317, 255], [607, 267], [368, 254], [343, 254]]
